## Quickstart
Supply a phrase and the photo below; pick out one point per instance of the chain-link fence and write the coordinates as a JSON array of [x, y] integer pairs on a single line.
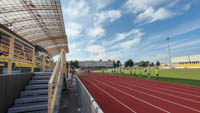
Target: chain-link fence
[[86, 101]]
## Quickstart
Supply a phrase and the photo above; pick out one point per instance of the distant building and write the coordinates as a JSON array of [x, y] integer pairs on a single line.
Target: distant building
[[192, 61], [95, 64], [164, 65]]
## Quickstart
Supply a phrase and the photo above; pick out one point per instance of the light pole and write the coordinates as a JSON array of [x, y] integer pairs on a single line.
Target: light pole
[[170, 63]]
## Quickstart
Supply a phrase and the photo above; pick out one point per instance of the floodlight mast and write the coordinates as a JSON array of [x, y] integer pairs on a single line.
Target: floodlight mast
[[170, 63]]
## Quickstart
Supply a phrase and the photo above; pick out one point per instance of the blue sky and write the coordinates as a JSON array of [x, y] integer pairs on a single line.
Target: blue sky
[[136, 29]]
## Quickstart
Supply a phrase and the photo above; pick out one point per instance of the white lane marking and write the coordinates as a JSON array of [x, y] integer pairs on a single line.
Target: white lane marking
[[172, 87], [159, 92], [167, 89], [133, 96], [112, 97], [158, 98]]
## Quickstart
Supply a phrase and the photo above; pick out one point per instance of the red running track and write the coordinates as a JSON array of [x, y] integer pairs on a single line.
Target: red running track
[[117, 94]]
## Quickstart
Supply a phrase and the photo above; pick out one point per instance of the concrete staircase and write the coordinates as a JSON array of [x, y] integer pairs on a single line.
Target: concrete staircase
[[35, 97]]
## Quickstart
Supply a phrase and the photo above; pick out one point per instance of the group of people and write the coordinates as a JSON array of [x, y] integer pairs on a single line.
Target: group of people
[[133, 72]]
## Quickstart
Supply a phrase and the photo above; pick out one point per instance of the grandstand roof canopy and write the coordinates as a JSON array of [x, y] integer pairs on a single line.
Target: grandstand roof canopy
[[38, 21]]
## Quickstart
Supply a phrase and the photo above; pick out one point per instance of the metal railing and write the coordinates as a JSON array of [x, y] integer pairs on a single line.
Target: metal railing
[[86, 101], [55, 79]]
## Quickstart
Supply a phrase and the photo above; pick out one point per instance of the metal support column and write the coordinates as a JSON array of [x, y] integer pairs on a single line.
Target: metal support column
[[44, 63], [33, 60], [11, 55]]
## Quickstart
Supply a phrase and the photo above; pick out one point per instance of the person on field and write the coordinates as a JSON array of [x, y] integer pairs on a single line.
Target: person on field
[[157, 73], [135, 71], [131, 70], [145, 70], [120, 70], [140, 72], [148, 73]]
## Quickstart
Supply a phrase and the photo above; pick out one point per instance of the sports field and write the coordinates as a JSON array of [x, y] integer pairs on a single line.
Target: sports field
[[118, 94], [183, 76]]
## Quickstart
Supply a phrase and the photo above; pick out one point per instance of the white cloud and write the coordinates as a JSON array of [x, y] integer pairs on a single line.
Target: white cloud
[[136, 6], [128, 44], [76, 9], [125, 40], [156, 57], [110, 15], [95, 49], [148, 11], [187, 44], [99, 4], [122, 36], [108, 56], [73, 29], [150, 15], [96, 32]]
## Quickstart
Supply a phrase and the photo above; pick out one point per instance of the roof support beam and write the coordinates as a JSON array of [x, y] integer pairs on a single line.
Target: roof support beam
[[7, 9], [47, 38]]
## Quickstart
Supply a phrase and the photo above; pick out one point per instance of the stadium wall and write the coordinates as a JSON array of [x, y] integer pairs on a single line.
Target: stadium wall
[[192, 61]]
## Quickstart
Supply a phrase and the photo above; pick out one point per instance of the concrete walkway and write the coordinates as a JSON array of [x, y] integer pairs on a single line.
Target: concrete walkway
[[69, 102]]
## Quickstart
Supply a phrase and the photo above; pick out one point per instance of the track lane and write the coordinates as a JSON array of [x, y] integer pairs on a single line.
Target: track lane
[[159, 91], [107, 102], [191, 97], [138, 105], [187, 106], [191, 90]]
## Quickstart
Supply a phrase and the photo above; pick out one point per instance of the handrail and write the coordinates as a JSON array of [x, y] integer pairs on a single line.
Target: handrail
[[56, 77]]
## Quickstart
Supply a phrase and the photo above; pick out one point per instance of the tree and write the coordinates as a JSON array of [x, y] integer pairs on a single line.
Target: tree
[[76, 64], [143, 63], [152, 64], [157, 63], [147, 63], [114, 64], [71, 64], [118, 63], [129, 63]]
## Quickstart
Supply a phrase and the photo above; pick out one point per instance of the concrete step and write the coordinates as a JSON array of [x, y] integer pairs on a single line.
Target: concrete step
[[32, 99], [42, 73], [38, 82], [35, 87], [42, 106], [41, 77], [34, 93], [42, 111]]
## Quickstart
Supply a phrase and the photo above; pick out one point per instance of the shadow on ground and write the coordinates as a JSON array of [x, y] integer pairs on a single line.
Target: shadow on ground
[[69, 102]]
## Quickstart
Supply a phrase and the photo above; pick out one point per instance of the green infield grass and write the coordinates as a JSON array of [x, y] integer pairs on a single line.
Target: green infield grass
[[182, 76]]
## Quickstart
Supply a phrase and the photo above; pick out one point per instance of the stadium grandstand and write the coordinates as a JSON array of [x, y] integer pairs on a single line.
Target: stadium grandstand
[[192, 61], [32, 32]]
